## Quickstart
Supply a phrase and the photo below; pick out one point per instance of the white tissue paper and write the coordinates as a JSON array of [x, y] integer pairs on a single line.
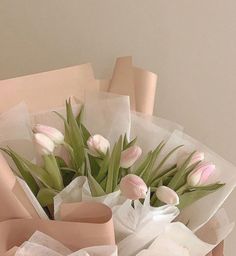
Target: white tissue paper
[[175, 240], [41, 245], [178, 240]]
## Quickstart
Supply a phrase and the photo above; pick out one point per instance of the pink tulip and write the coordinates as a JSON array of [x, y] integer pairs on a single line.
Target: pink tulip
[[55, 135], [44, 144], [130, 156], [197, 156], [200, 176], [133, 187], [97, 145], [167, 195]]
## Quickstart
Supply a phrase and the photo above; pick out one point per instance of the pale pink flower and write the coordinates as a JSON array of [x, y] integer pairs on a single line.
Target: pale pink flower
[[197, 156], [167, 195], [133, 187], [97, 145], [130, 156], [55, 135], [200, 176], [44, 144]]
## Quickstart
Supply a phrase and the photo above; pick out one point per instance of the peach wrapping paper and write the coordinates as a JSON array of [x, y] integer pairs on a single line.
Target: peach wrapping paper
[[38, 90], [82, 224]]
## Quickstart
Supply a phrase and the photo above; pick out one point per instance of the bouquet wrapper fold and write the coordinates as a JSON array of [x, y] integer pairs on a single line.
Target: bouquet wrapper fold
[[41, 244], [126, 79], [82, 224]]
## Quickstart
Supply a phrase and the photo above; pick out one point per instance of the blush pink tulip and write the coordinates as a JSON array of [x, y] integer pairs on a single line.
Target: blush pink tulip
[[130, 156], [167, 195], [97, 145], [197, 156], [133, 187], [55, 135], [200, 176], [44, 144]]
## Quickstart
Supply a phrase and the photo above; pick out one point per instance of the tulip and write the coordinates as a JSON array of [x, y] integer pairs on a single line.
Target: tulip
[[55, 135], [200, 176], [197, 156], [44, 144], [130, 156], [167, 195], [133, 187], [98, 145]]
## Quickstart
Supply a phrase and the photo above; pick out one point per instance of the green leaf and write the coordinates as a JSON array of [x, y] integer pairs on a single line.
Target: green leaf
[[70, 150], [104, 168], [67, 169], [125, 142], [189, 198], [96, 189], [29, 179], [60, 162], [79, 118], [184, 177], [148, 170], [158, 168], [85, 133], [176, 180], [75, 137], [50, 165], [68, 175], [130, 144], [45, 196], [144, 164], [114, 166], [103, 183], [214, 187], [66, 126], [35, 170], [165, 174], [38, 172]]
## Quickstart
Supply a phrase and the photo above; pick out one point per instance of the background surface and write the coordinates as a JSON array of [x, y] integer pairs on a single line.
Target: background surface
[[190, 44]]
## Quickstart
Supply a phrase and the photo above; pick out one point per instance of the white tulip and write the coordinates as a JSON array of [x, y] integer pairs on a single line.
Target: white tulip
[[44, 144], [130, 156], [167, 195], [97, 145], [55, 135]]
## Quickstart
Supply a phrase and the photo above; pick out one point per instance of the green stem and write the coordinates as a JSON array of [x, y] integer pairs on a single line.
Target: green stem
[[156, 181], [53, 170], [182, 189], [153, 199]]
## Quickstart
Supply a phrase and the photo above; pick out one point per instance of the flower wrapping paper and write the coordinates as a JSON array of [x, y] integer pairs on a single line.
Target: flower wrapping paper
[[112, 116]]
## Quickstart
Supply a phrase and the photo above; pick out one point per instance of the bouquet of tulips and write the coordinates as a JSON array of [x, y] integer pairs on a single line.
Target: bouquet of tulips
[[112, 169], [146, 191], [95, 178]]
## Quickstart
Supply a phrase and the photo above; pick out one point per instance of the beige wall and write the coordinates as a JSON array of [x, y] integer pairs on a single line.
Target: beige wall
[[190, 43]]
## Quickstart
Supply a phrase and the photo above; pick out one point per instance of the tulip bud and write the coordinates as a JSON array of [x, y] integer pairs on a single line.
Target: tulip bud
[[200, 176], [97, 145], [197, 156], [133, 187], [55, 135], [167, 195], [130, 156], [44, 144]]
